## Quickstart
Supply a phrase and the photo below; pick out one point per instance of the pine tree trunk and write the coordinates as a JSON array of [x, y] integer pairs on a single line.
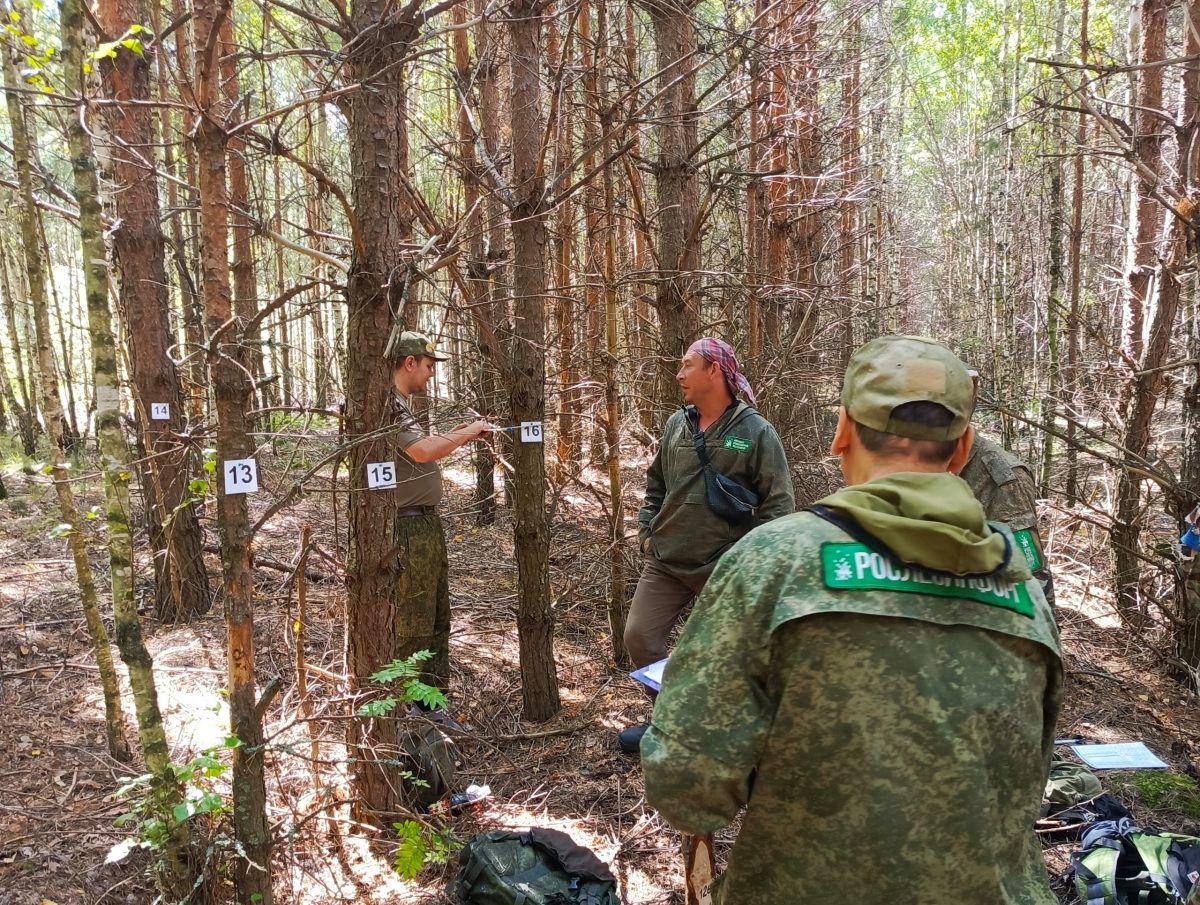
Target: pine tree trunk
[[378, 160], [139, 258], [676, 298], [1142, 392], [1071, 385], [232, 392], [531, 540], [617, 607], [484, 502]]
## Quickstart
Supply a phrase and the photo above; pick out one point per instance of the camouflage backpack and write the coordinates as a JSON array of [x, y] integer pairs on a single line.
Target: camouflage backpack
[[540, 867], [1120, 864]]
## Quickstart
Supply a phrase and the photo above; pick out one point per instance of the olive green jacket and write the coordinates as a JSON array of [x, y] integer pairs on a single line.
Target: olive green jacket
[[888, 726], [686, 536]]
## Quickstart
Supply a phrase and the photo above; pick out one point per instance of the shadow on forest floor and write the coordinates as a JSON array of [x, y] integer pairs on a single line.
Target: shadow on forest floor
[[56, 809]]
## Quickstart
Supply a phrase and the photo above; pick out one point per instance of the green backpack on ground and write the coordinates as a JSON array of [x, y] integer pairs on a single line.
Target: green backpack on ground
[[1120, 864], [540, 867]]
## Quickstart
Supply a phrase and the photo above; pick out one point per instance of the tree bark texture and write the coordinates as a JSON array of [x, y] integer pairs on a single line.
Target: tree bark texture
[[232, 394], [139, 260], [378, 162], [535, 619], [675, 135], [52, 412]]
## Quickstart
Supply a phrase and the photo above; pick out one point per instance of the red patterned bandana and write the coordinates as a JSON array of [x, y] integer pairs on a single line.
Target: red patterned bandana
[[721, 353]]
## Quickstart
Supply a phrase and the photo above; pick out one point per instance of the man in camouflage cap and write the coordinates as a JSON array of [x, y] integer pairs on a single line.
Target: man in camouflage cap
[[423, 607], [877, 677], [1005, 486]]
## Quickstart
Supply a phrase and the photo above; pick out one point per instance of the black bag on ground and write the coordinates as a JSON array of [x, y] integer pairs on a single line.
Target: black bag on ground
[[540, 867], [731, 501]]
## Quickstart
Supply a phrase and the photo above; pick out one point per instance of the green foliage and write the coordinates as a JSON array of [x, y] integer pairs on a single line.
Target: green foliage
[[1169, 792], [35, 53], [421, 844], [108, 49], [413, 690], [149, 817]]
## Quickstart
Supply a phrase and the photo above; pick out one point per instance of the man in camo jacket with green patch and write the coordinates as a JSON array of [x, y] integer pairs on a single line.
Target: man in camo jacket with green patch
[[1005, 486], [877, 677]]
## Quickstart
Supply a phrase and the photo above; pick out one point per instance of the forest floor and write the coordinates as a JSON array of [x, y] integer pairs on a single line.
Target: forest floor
[[57, 804]]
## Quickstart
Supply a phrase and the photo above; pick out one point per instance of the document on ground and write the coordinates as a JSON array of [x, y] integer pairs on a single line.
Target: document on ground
[[1122, 756]]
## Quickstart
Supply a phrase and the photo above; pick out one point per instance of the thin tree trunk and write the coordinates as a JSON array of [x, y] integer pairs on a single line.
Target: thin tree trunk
[[1145, 212], [23, 408], [489, 45], [676, 298], [232, 393], [568, 449], [612, 395], [1071, 385], [245, 282], [1055, 267], [531, 540], [484, 501], [51, 410]]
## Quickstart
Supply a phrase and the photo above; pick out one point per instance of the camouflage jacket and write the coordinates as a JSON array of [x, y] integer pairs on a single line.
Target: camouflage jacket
[[685, 535], [1005, 486], [889, 728]]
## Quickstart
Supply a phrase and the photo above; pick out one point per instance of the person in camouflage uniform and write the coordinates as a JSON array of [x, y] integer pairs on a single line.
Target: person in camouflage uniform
[[1005, 486], [423, 586], [877, 677]]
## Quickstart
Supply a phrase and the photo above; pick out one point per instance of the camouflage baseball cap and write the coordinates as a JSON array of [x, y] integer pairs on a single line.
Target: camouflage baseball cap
[[892, 370], [417, 344]]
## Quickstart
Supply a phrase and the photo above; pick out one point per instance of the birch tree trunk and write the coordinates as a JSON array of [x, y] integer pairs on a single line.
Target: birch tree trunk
[[52, 412]]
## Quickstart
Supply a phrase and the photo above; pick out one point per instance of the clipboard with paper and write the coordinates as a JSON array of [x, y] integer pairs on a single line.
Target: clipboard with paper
[[651, 676]]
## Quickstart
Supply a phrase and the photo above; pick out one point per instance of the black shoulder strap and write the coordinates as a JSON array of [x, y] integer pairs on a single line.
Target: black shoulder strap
[[693, 420]]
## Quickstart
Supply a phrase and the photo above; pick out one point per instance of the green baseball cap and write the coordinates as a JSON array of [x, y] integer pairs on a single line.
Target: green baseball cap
[[417, 344], [890, 371]]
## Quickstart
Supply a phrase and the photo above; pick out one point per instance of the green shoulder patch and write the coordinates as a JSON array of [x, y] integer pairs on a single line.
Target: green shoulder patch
[[1029, 546], [855, 567], [738, 444]]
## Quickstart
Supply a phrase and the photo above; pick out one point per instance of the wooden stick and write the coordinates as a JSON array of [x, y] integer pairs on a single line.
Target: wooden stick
[[301, 667], [698, 869]]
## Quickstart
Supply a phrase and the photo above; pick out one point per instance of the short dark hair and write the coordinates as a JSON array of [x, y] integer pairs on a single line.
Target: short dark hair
[[929, 414]]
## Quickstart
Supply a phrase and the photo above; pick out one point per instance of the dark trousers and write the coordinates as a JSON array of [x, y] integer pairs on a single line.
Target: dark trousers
[[659, 600], [423, 596]]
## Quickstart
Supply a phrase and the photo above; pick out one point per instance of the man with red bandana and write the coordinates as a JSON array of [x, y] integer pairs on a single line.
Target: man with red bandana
[[678, 530]]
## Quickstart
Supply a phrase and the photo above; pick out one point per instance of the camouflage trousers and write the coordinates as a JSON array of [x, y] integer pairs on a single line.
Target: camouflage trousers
[[423, 596]]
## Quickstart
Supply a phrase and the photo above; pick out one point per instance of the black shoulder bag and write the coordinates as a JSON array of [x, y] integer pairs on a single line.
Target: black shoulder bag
[[731, 501]]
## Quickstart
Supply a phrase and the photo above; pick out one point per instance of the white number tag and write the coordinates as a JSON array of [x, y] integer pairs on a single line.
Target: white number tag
[[531, 432], [160, 411], [381, 475], [241, 476]]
